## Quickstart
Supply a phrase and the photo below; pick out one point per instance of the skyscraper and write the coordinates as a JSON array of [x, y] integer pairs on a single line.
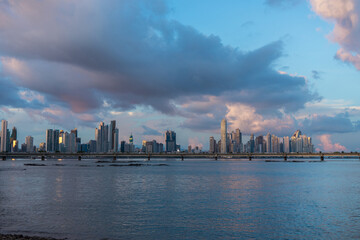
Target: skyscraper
[[29, 141], [224, 139], [212, 147], [72, 142], [49, 140], [259, 147], [75, 131], [8, 144], [56, 135], [268, 143], [252, 143], [131, 143], [102, 138], [238, 140], [112, 136], [286, 142], [53, 136], [106, 138], [3, 136], [13, 138], [98, 139], [116, 140], [170, 141], [131, 139]]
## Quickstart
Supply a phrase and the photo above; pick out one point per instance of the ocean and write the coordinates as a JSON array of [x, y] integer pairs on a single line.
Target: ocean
[[172, 199]]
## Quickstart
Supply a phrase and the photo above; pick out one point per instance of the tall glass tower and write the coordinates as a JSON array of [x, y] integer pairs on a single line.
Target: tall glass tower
[[224, 139], [3, 136]]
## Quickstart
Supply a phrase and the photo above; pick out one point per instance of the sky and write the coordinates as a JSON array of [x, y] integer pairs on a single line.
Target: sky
[[152, 65]]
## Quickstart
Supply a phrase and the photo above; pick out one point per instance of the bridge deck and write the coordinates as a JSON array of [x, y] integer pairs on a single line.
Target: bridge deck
[[182, 156]]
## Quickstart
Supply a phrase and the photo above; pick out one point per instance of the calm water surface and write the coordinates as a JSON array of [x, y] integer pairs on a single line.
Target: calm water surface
[[195, 199]]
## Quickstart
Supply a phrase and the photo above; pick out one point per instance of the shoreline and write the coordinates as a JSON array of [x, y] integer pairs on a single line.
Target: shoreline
[[25, 237]]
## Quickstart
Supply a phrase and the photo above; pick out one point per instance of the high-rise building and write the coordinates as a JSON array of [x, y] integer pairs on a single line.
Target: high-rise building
[[122, 146], [66, 142], [75, 132], [102, 138], [131, 139], [268, 143], [13, 138], [8, 143], [224, 139], [212, 145], [106, 139], [72, 142], [238, 140], [56, 137], [49, 140], [29, 141], [4, 129], [23, 147], [170, 141], [286, 144], [252, 143], [115, 144], [92, 146], [300, 143], [259, 146], [15, 146], [112, 137], [53, 137], [42, 147], [275, 144], [153, 147]]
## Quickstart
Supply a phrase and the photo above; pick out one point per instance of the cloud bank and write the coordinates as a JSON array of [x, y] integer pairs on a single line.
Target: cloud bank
[[327, 146], [73, 59], [345, 15], [84, 53]]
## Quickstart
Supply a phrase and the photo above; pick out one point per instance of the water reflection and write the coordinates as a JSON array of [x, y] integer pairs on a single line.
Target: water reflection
[[191, 199]]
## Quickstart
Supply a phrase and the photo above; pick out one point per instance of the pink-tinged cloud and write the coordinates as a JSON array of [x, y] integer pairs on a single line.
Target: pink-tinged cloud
[[327, 146], [79, 54], [194, 142], [62, 117], [345, 15], [249, 121]]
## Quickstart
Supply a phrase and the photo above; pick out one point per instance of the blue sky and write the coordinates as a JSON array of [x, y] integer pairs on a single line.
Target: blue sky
[[268, 66]]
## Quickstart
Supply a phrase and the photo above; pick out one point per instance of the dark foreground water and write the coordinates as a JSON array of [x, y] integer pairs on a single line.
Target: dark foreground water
[[195, 199]]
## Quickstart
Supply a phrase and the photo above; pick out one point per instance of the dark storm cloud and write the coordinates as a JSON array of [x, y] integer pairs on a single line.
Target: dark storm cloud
[[83, 54]]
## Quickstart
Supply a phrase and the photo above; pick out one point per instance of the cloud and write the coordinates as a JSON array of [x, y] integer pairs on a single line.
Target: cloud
[[316, 74], [14, 96], [150, 131], [245, 117], [282, 3], [60, 116], [318, 124], [345, 15], [247, 24], [128, 53], [327, 146], [194, 142]]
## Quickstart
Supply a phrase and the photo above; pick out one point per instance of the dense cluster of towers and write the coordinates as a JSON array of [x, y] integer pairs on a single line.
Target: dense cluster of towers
[[232, 143]]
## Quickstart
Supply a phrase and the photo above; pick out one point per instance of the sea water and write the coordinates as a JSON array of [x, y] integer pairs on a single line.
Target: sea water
[[171, 199]]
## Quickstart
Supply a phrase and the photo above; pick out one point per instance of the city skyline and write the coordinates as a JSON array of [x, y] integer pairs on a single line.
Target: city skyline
[[106, 140], [183, 65]]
